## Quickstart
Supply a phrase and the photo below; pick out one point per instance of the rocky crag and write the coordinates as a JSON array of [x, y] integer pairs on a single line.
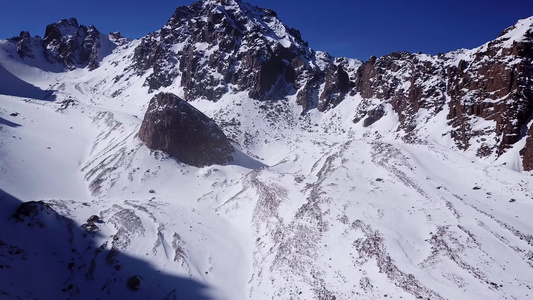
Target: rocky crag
[[70, 44], [492, 83], [214, 47], [177, 128]]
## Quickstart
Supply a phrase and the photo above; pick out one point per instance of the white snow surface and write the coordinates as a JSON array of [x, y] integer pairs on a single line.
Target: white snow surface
[[312, 207]]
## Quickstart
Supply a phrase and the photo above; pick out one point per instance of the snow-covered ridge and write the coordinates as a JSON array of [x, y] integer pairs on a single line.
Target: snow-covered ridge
[[68, 44], [522, 31]]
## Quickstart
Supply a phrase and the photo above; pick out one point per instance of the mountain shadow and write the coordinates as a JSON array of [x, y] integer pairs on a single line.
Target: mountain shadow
[[8, 123], [11, 85], [45, 255]]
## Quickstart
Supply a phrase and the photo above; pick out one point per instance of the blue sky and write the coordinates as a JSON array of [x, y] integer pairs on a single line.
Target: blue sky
[[357, 29]]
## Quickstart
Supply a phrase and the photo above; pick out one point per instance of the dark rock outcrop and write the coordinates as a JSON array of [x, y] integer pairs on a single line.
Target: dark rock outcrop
[[491, 83], [33, 213], [337, 84], [90, 225], [373, 115], [527, 152], [407, 81], [175, 127], [134, 282], [24, 45], [70, 44], [220, 46]]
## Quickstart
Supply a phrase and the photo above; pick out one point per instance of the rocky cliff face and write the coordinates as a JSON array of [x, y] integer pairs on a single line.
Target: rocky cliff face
[[494, 84], [409, 82], [68, 43], [490, 83], [214, 47], [175, 127]]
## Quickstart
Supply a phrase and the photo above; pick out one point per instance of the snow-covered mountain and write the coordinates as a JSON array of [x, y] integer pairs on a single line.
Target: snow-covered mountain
[[406, 176]]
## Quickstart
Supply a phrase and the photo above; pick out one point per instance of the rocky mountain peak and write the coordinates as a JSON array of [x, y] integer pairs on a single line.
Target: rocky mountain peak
[[214, 47], [70, 44], [521, 31], [65, 27], [229, 19]]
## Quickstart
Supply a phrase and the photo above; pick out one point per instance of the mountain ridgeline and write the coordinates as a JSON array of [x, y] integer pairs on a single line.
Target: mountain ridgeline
[[68, 43], [215, 47], [230, 46]]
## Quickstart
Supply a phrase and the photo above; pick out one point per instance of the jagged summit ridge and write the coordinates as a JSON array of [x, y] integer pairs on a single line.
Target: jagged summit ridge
[[69, 44], [522, 31], [243, 17], [486, 91], [215, 47]]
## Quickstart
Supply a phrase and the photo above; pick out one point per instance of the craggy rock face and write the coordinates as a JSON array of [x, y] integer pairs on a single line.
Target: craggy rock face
[[337, 85], [70, 44], [496, 86], [175, 127], [527, 152], [24, 45], [215, 47], [407, 81], [491, 83]]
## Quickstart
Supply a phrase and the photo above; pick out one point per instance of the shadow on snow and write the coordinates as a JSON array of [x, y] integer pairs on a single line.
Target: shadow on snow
[[11, 85], [45, 255], [8, 123]]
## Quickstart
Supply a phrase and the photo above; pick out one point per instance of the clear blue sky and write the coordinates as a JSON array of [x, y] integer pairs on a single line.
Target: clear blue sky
[[355, 29]]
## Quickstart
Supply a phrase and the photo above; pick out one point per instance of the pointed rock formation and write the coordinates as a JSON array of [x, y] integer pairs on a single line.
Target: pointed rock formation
[[70, 44], [24, 45], [226, 46], [177, 128]]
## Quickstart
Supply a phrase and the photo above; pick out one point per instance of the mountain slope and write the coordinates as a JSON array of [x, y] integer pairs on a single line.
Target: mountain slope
[[400, 177]]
